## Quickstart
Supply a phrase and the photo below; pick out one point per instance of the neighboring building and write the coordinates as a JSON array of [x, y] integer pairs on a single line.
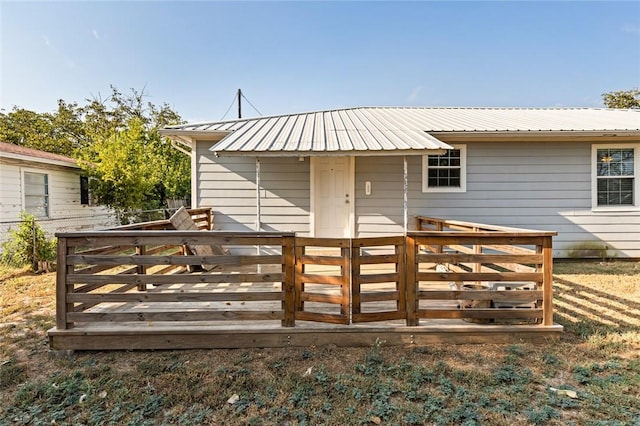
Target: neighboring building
[[369, 171], [50, 187]]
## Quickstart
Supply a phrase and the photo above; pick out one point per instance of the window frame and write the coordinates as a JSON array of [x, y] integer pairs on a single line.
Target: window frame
[[636, 178], [47, 195], [447, 189]]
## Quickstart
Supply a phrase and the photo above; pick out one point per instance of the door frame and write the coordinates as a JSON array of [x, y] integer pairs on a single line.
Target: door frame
[[352, 198]]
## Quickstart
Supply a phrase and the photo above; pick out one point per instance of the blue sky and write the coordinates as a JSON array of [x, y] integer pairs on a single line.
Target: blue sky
[[303, 56]]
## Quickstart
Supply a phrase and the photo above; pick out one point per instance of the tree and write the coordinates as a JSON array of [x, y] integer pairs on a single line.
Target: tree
[[134, 167], [118, 142], [622, 99]]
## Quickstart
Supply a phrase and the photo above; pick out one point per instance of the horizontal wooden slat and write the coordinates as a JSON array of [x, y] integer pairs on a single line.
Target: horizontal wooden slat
[[173, 279], [499, 296], [482, 239], [321, 298], [174, 260], [378, 316], [144, 297], [320, 260], [377, 259], [479, 276], [489, 313], [227, 315], [378, 296], [134, 238], [320, 317], [323, 279], [480, 258], [378, 278]]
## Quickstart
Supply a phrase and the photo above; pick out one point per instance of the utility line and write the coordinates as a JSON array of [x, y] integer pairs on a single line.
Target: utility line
[[238, 97]]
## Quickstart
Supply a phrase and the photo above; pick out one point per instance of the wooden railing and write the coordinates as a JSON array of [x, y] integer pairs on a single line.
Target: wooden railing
[[482, 265], [481, 275], [86, 279], [202, 217]]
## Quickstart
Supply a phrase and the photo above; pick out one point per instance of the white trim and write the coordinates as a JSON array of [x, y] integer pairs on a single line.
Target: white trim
[[352, 197], [312, 194], [463, 172], [41, 160], [194, 175], [23, 190], [594, 178]]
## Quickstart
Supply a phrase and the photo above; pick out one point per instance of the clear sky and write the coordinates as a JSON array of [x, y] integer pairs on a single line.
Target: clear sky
[[304, 56]]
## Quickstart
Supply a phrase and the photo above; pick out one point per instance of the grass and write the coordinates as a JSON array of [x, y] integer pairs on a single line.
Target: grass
[[523, 384]]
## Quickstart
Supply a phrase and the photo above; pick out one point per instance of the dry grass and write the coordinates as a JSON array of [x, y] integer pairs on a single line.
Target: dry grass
[[597, 357]]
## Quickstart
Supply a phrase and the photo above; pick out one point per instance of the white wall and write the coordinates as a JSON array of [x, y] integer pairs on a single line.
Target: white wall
[[228, 186], [541, 185], [66, 213]]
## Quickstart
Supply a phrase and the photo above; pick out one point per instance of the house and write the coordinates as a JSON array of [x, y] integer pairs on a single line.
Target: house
[[50, 187], [369, 171]]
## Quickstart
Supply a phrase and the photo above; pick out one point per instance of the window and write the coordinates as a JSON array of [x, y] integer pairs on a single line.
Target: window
[[85, 198], [615, 183], [446, 172], [36, 194]]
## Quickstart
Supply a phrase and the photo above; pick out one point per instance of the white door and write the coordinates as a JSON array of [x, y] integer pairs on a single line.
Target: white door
[[332, 197]]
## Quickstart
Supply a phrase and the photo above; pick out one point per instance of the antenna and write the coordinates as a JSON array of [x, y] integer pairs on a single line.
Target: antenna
[[239, 103]]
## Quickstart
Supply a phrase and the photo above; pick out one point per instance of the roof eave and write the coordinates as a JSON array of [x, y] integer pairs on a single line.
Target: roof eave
[[351, 153], [204, 135], [33, 159], [509, 135]]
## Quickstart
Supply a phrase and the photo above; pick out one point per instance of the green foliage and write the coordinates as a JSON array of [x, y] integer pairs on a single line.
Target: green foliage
[[28, 244], [622, 99], [118, 142]]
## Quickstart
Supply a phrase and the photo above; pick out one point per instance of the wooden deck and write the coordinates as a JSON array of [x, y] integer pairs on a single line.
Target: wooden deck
[[133, 289]]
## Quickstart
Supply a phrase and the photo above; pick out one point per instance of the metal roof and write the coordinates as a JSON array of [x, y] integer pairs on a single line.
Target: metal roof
[[394, 129]]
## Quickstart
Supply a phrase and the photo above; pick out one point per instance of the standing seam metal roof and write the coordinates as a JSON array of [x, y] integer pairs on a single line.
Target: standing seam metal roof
[[400, 129]]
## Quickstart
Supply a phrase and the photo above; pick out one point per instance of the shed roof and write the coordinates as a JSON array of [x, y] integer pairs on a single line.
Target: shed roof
[[395, 129], [10, 150]]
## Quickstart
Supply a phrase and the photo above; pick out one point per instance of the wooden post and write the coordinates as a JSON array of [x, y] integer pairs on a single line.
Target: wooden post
[[401, 270], [345, 304], [209, 219], [412, 283], [62, 306], [355, 279], [141, 269], [477, 249], [288, 285], [299, 271], [547, 281]]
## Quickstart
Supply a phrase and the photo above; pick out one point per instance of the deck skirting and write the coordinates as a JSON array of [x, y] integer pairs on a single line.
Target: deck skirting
[[122, 337]]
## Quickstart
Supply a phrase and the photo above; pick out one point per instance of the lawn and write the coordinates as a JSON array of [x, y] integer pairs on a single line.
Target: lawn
[[591, 376]]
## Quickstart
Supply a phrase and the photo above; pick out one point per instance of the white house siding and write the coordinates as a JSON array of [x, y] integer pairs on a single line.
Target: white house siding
[[544, 185], [228, 186], [381, 212], [66, 213], [11, 193], [534, 185]]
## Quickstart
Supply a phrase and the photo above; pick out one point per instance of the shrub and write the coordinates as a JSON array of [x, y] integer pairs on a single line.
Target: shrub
[[28, 245]]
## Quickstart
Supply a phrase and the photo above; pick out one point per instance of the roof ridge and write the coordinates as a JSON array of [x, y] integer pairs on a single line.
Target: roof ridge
[[371, 107]]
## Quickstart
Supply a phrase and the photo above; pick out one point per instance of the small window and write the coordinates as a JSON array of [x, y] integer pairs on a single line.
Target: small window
[[85, 200], [36, 194], [445, 172], [615, 183]]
